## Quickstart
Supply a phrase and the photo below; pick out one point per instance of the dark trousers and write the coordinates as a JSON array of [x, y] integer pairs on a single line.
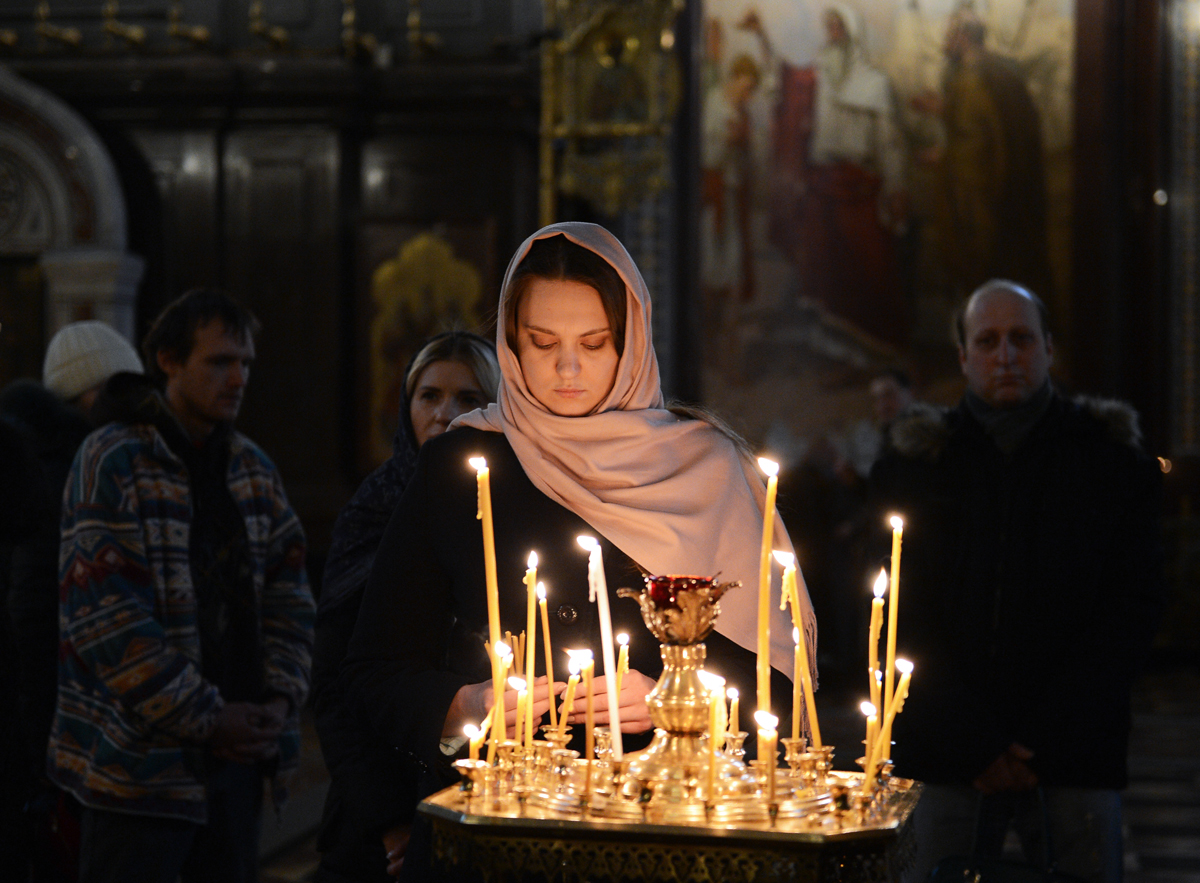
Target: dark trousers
[[119, 847]]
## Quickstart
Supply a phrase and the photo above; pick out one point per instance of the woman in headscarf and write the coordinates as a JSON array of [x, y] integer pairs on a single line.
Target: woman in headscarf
[[371, 795], [578, 442]]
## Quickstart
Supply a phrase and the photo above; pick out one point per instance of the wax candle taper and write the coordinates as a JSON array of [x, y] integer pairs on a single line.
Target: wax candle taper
[[771, 468], [541, 593], [801, 675], [735, 725], [883, 741], [501, 661], [484, 514], [889, 672], [522, 687], [879, 588], [573, 668], [872, 715], [767, 738], [474, 738], [598, 593], [622, 660], [716, 701], [530, 642]]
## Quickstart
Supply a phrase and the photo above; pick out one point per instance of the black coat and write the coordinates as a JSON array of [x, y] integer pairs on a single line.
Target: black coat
[[1030, 585]]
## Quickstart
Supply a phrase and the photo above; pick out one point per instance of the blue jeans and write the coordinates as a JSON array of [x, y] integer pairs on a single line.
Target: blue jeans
[[118, 847], [1084, 824]]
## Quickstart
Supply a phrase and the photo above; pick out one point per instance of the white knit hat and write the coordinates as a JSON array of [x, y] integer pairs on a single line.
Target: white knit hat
[[84, 354]]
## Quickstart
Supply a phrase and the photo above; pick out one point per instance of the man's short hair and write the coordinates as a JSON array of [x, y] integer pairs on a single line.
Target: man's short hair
[[174, 331], [959, 326]]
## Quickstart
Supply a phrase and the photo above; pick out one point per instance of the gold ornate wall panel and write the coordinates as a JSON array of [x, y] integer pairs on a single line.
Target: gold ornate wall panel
[[610, 90]]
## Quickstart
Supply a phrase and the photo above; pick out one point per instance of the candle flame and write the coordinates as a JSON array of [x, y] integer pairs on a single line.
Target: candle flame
[[881, 583], [533, 559], [713, 683], [623, 639], [471, 731], [516, 683], [588, 543], [796, 636], [868, 709], [541, 590], [766, 720], [732, 693], [770, 467], [904, 666], [478, 463], [573, 665], [787, 559], [583, 656], [503, 649], [896, 522]]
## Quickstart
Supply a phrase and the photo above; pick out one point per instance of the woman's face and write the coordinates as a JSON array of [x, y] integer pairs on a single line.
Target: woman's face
[[565, 346], [443, 391]]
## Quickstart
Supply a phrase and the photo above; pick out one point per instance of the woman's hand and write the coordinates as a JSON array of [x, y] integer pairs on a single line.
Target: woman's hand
[[395, 844], [472, 703], [635, 716]]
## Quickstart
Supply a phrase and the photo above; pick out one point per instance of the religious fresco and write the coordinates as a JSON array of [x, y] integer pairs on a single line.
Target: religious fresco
[[864, 165], [419, 282]]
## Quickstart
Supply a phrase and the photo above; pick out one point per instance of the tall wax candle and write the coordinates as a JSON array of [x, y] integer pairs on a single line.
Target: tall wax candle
[[767, 751], [879, 588], [598, 593], [801, 676], [894, 707], [484, 514], [541, 593], [501, 661], [569, 697], [872, 715], [622, 659], [522, 688], [589, 717], [889, 673], [735, 725], [530, 641], [771, 469]]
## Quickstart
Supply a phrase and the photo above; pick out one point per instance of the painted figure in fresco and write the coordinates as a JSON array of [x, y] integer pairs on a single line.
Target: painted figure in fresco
[[841, 164], [727, 182], [993, 207]]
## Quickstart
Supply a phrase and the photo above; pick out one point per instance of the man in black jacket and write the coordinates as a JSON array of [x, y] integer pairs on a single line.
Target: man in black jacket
[[1032, 582]]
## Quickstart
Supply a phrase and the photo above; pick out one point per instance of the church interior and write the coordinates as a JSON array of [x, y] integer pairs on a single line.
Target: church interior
[[357, 172]]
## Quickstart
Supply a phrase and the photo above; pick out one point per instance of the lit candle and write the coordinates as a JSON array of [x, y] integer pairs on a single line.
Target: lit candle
[[530, 641], [766, 747], [541, 593], [522, 687], [716, 703], [889, 673], [588, 665], [894, 707], [622, 659], [569, 697], [501, 660], [872, 715], [735, 725], [801, 675], [598, 592], [484, 514], [873, 639], [475, 739], [771, 469]]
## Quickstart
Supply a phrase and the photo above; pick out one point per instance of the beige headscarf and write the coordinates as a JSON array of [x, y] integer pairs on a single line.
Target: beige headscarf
[[673, 494]]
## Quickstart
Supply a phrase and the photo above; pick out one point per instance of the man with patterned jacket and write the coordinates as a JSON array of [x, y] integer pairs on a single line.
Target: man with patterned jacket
[[185, 614]]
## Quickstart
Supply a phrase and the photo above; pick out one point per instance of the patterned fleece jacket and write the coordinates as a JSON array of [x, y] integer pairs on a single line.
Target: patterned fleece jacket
[[133, 709]]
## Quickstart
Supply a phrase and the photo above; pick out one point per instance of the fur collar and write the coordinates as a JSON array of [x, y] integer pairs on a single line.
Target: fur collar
[[923, 430]]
